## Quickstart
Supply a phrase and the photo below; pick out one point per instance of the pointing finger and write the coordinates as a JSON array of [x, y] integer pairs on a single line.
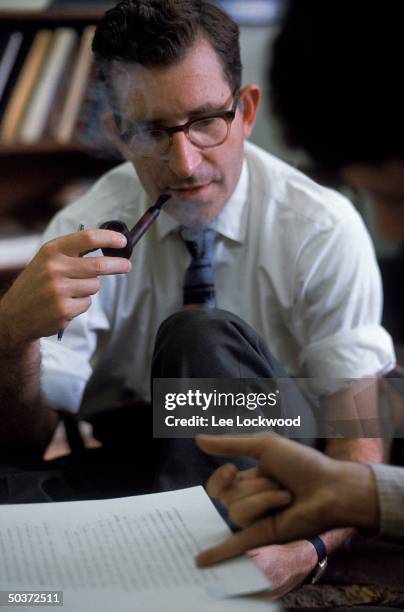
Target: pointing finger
[[231, 447], [256, 535]]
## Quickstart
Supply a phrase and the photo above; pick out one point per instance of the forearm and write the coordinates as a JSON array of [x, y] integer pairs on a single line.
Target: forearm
[[336, 538], [361, 450], [56, 287], [26, 424]]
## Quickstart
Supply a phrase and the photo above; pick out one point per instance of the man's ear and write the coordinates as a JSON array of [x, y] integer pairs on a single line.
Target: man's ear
[[250, 97], [108, 123]]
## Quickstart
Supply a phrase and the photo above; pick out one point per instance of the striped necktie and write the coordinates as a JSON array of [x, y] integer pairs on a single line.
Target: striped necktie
[[199, 287]]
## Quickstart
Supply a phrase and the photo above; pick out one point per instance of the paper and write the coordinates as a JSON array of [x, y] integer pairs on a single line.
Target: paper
[[112, 550]]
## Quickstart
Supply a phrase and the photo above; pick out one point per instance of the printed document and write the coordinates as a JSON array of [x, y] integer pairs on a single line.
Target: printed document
[[134, 549]]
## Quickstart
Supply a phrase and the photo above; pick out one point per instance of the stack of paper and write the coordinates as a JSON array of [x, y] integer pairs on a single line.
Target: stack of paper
[[133, 553]]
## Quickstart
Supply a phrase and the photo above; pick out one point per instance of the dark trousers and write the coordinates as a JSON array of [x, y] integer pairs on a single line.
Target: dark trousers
[[189, 344]]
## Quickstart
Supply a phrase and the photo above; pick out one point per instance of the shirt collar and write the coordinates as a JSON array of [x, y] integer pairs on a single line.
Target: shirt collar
[[231, 221]]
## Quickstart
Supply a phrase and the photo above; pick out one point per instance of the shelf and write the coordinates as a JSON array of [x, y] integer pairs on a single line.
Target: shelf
[[47, 147], [66, 17], [31, 174]]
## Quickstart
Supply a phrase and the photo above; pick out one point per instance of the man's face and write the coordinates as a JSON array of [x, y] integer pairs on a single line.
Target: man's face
[[200, 181], [385, 184]]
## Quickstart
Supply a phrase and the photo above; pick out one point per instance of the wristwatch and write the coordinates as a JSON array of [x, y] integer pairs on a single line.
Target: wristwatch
[[321, 563]]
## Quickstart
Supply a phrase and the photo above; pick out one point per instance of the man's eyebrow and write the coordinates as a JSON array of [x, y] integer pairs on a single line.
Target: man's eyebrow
[[207, 108], [199, 111]]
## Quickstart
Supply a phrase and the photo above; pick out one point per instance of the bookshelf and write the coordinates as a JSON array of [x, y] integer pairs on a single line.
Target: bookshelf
[[33, 172]]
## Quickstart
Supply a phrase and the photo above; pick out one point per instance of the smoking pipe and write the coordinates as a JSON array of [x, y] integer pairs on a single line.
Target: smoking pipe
[[134, 235]]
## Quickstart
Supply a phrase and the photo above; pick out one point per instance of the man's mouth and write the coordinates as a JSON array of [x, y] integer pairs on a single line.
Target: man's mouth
[[188, 187], [186, 191]]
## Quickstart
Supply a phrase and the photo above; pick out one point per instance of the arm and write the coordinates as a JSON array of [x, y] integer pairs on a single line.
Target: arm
[[26, 424], [55, 288]]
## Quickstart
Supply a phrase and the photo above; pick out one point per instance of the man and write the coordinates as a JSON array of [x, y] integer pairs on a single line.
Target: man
[[293, 267], [334, 86]]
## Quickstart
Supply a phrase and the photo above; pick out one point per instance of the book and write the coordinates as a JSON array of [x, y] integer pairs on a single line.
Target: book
[[36, 115], [24, 86], [8, 58], [4, 38], [132, 553], [59, 95], [76, 92], [23, 50]]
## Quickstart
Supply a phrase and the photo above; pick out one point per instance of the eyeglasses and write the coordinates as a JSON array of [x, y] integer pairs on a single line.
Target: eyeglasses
[[204, 132]]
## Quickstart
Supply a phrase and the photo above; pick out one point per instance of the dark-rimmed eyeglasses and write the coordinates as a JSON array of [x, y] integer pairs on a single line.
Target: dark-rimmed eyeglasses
[[203, 132]]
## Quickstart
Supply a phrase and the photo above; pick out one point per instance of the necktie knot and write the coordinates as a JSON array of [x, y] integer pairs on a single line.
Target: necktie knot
[[199, 284], [199, 242]]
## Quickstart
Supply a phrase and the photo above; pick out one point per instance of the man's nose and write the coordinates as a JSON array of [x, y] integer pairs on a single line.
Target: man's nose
[[184, 157]]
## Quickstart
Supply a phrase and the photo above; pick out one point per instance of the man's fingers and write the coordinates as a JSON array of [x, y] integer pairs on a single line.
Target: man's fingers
[[231, 447], [73, 308], [87, 240], [90, 267], [258, 534], [79, 288], [222, 478], [248, 474], [247, 510], [242, 489]]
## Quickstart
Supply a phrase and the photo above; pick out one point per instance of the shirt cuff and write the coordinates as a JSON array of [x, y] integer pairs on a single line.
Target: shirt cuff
[[390, 490], [64, 375], [334, 362]]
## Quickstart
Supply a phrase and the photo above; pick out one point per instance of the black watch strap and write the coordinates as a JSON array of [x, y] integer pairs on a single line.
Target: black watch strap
[[322, 560], [320, 548]]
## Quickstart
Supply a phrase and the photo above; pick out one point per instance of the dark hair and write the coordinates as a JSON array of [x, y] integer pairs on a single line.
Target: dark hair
[[158, 33], [335, 81]]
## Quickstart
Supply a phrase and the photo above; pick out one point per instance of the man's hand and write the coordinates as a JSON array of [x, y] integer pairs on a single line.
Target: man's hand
[[57, 285], [325, 494], [286, 566], [246, 494]]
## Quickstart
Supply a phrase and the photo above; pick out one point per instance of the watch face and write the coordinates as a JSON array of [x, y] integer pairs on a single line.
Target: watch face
[[319, 571]]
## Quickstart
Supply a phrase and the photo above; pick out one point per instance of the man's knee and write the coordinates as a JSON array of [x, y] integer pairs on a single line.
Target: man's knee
[[210, 344], [190, 330]]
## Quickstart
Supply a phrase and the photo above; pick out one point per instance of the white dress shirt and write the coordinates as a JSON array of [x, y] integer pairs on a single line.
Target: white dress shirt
[[291, 258]]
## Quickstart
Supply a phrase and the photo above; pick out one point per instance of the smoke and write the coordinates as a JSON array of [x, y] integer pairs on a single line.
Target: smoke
[[114, 95], [90, 132]]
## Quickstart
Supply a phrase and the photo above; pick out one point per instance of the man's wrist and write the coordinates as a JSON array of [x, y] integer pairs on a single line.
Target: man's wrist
[[321, 561], [11, 346], [6, 342]]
